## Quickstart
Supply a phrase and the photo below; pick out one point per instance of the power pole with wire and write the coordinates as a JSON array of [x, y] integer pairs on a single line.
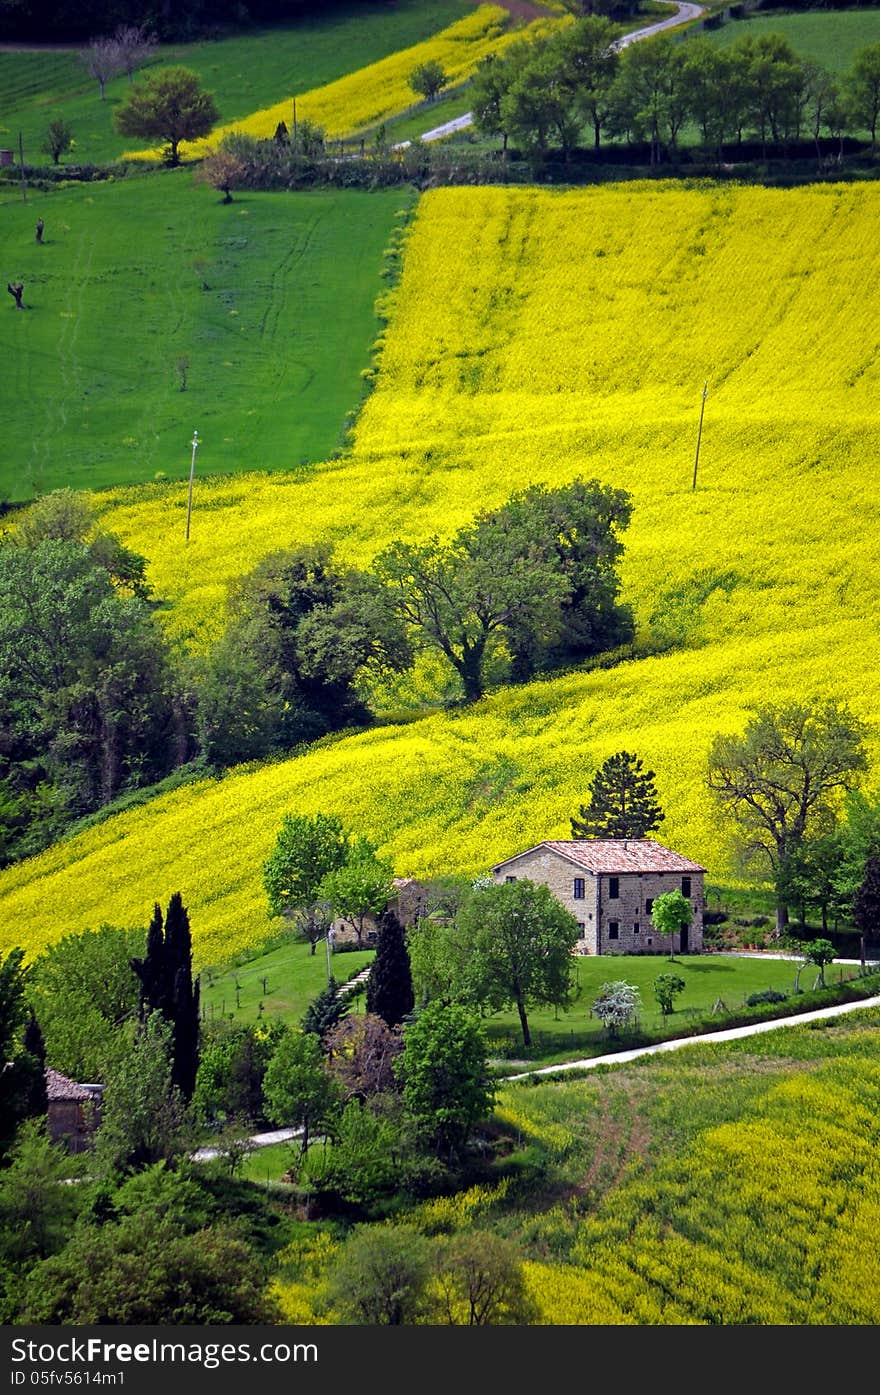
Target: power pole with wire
[[192, 470], [700, 432]]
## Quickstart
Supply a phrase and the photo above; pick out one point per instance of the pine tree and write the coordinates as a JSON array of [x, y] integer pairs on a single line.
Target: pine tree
[[325, 1012], [390, 987], [167, 986], [623, 801], [35, 1046]]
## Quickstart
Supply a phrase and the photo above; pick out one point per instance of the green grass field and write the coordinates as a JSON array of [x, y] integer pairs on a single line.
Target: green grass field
[[271, 299], [286, 979], [829, 36], [245, 72]]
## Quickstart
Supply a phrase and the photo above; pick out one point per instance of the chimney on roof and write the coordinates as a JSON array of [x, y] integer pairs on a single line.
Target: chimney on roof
[[626, 843]]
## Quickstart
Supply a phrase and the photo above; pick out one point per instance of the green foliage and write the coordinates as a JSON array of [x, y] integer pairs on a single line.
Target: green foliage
[[390, 986], [90, 710], [58, 138], [168, 105], [37, 1204], [623, 801], [863, 88], [143, 1120], [324, 1013], [360, 888], [510, 945], [232, 1064], [538, 572], [447, 1088], [671, 913], [19, 1070], [86, 992], [480, 1283], [362, 1163], [380, 1276], [783, 779], [667, 987], [297, 1088], [428, 79], [307, 849]]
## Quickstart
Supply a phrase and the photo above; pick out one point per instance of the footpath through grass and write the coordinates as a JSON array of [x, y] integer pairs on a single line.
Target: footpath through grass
[[244, 72], [267, 304]]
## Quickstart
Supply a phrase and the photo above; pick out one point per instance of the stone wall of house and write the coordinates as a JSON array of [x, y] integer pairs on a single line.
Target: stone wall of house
[[559, 875], [598, 912], [632, 907]]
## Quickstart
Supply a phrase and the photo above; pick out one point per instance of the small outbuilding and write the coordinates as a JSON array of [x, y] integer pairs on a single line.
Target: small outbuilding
[[73, 1111], [610, 886]]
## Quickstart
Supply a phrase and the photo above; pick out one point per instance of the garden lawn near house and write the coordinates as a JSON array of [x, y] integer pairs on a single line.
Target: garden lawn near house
[[293, 977], [270, 300]]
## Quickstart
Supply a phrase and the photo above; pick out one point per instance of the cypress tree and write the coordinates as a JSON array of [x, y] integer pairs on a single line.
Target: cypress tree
[[167, 986], [623, 801], [390, 986], [37, 1099]]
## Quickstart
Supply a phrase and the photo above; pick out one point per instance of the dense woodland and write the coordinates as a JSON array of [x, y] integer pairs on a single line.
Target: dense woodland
[[83, 19]]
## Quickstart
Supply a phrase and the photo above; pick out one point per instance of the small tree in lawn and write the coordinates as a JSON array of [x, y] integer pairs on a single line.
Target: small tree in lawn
[[58, 138], [666, 989], [298, 1091], [102, 61], [169, 105], [617, 1005], [820, 953], [307, 848], [360, 889], [223, 169], [866, 905], [428, 79], [389, 986], [134, 44], [623, 801], [670, 914]]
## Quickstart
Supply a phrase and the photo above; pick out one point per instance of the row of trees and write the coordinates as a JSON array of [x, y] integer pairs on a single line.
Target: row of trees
[[551, 90], [95, 702]]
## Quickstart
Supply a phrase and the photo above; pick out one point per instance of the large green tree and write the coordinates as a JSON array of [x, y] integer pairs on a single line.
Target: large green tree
[[87, 997], [783, 779], [509, 946], [143, 1117], [623, 801], [863, 89], [447, 1085], [389, 986], [299, 1091], [169, 105], [360, 889], [308, 846]]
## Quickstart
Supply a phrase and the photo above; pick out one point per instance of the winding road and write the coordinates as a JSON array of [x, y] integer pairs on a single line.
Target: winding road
[[684, 11]]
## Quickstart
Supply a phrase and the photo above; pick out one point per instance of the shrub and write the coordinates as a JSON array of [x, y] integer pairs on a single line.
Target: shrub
[[768, 995]]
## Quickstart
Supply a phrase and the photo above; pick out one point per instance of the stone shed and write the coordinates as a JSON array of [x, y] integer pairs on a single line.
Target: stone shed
[[73, 1111], [610, 885]]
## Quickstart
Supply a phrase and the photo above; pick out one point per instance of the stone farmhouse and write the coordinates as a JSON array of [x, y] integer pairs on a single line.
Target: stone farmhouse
[[609, 886]]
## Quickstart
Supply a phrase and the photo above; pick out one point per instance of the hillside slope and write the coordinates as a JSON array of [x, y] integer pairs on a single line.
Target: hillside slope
[[536, 336]]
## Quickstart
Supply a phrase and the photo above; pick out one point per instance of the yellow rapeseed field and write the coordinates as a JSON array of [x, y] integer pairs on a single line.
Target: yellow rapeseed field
[[537, 335], [370, 95]]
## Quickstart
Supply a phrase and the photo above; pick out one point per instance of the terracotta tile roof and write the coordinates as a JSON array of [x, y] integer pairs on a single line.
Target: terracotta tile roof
[[616, 855], [58, 1087]]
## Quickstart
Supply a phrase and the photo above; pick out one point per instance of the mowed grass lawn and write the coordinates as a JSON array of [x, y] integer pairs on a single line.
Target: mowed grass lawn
[[288, 977], [270, 299], [244, 72], [284, 980], [832, 37]]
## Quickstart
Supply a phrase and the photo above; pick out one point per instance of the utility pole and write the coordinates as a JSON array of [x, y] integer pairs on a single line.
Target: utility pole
[[21, 168], [327, 949], [294, 125], [192, 470], [700, 432]]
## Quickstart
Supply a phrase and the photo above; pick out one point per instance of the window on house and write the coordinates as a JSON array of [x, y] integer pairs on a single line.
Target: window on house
[[613, 888], [685, 886], [582, 928], [613, 930], [636, 927], [510, 879], [579, 888], [649, 905], [649, 940]]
